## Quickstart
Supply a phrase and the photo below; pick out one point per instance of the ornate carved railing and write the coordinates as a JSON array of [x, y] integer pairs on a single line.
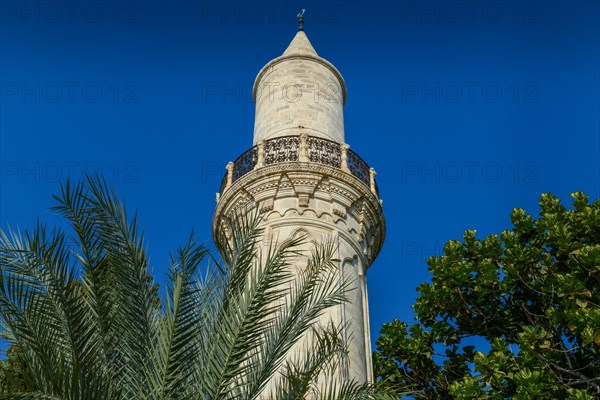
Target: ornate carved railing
[[245, 163], [300, 148], [324, 151], [358, 167], [282, 149]]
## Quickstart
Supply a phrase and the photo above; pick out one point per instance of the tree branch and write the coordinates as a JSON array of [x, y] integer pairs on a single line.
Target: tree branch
[[582, 377]]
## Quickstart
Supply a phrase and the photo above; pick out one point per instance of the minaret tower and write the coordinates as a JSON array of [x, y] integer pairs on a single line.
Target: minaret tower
[[304, 179]]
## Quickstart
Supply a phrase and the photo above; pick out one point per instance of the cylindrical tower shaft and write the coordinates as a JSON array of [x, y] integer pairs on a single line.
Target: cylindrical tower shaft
[[303, 179]]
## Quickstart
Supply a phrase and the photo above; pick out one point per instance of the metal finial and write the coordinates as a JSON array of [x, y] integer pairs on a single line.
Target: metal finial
[[301, 20]]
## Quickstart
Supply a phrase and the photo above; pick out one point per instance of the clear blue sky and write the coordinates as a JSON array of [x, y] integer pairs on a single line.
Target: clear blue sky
[[465, 109]]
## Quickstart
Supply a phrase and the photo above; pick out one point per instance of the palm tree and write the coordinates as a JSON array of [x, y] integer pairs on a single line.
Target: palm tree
[[89, 323]]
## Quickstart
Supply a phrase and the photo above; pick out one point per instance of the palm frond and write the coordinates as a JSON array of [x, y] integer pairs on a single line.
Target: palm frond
[[86, 313]]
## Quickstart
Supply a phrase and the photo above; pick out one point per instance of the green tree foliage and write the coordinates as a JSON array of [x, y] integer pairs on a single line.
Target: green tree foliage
[[532, 293], [86, 319], [12, 369]]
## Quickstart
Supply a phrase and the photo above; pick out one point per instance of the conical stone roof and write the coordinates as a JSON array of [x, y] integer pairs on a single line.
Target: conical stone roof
[[300, 46]]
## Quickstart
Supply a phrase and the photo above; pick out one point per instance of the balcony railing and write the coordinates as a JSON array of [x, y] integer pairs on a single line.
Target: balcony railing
[[300, 148]]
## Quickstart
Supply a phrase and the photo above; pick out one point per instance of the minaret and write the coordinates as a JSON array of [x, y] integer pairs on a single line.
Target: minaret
[[303, 178]]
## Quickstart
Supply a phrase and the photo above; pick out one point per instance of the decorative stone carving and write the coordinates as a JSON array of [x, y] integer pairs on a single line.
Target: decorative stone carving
[[244, 202], [319, 194], [303, 200], [261, 155], [345, 147], [372, 174], [285, 187], [267, 205], [225, 229], [303, 156], [361, 221], [339, 210], [230, 166]]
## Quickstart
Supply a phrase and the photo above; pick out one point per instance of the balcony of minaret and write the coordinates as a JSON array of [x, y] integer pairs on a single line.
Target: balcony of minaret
[[304, 149], [320, 181]]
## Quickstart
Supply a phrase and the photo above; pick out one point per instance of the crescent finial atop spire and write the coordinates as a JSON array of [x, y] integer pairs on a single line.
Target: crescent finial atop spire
[[301, 20]]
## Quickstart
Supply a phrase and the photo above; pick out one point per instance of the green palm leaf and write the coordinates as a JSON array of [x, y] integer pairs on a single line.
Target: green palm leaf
[[89, 322]]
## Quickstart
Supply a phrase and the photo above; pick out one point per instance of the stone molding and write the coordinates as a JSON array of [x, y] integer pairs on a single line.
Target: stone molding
[[323, 193], [322, 61]]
